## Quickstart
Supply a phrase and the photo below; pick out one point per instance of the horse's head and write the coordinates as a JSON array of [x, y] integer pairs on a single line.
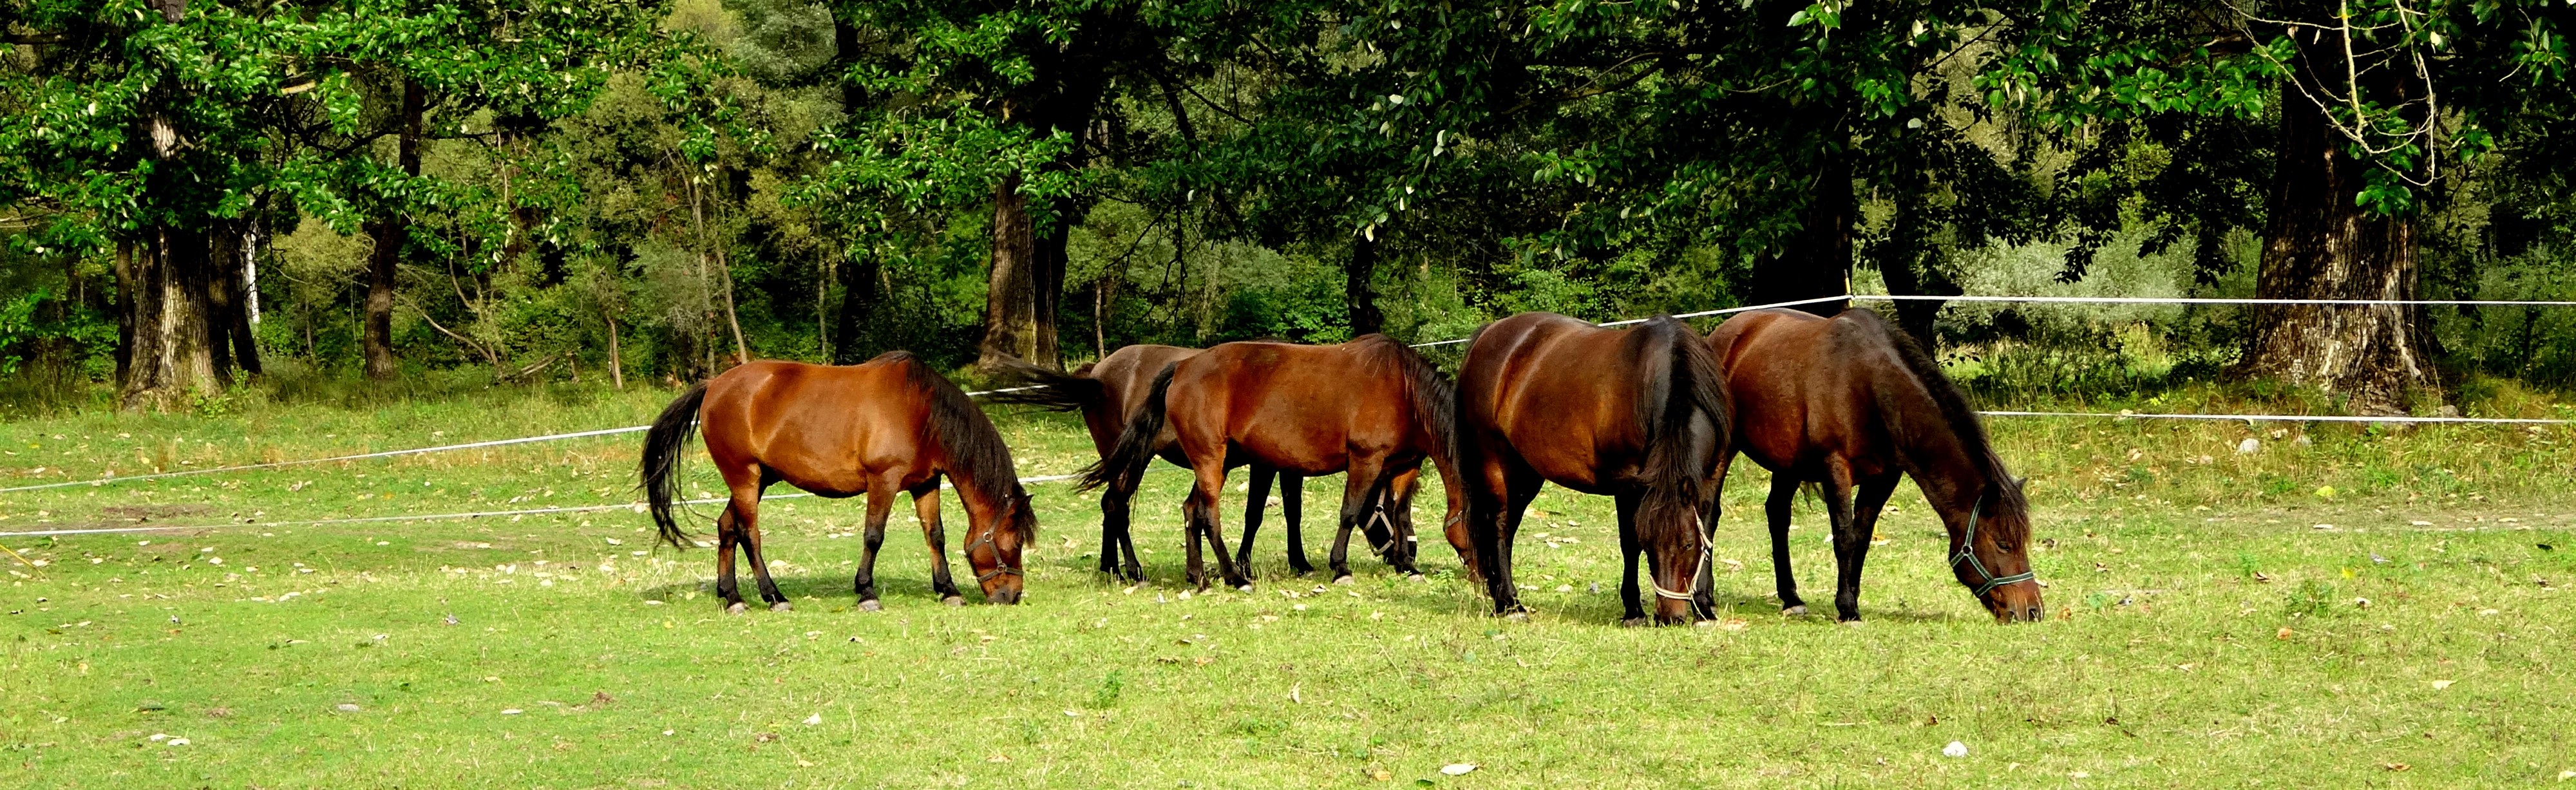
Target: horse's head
[[1990, 553], [993, 550]]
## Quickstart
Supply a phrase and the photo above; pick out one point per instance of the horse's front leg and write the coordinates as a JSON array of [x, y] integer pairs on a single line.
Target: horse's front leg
[[880, 503], [1631, 600], [1784, 494], [925, 506], [1292, 498], [1258, 495], [1855, 528]]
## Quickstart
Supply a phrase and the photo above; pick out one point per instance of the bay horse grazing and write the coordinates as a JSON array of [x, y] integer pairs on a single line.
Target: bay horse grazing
[[1850, 403], [1636, 414], [1106, 393], [891, 425], [1371, 407]]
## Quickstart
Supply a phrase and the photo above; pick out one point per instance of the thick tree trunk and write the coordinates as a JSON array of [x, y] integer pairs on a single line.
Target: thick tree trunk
[[171, 356], [858, 304], [391, 232], [1359, 292], [2320, 245], [1816, 260], [1010, 301]]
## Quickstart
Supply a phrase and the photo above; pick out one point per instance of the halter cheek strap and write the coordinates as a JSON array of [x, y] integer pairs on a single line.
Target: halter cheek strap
[[1967, 554], [999, 567]]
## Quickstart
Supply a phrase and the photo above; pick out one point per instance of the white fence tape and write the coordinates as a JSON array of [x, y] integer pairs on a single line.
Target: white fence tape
[[1700, 314], [2124, 415], [635, 506], [309, 461]]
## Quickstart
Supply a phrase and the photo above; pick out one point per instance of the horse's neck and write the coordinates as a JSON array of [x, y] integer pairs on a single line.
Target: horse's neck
[[970, 494], [1942, 467]]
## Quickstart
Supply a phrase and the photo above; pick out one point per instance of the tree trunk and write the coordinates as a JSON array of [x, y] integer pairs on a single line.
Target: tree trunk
[[125, 312], [171, 359], [1815, 261], [391, 232], [1047, 284], [1358, 291], [616, 360], [1010, 300], [2321, 245], [1916, 316]]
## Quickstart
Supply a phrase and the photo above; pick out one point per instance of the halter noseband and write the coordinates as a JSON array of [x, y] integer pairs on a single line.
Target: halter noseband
[[999, 567], [1967, 554]]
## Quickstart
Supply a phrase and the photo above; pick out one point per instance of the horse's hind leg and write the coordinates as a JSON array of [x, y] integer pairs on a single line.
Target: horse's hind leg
[[728, 590], [1258, 495], [1784, 494], [1359, 490], [746, 511], [1292, 498], [1117, 538], [1630, 598], [1853, 528], [880, 503], [1203, 498], [925, 506], [1398, 511]]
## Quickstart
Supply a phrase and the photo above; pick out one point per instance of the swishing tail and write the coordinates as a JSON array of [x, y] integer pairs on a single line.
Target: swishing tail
[[1676, 465], [663, 445], [1052, 391], [1135, 446]]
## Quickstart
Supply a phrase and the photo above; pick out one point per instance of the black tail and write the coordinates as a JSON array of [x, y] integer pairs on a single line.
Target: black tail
[[1691, 385], [663, 445], [1135, 446], [1052, 391]]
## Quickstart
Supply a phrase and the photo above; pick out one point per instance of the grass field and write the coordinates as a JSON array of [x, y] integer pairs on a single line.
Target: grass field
[[2205, 629]]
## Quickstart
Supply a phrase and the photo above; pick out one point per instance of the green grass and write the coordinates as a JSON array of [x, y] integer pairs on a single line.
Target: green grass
[[2165, 662]]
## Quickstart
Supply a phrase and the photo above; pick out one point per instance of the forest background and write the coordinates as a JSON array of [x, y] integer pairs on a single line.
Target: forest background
[[324, 194]]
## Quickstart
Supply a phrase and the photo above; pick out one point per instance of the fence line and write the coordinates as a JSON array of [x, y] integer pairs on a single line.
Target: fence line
[[2128, 415], [1700, 314], [636, 506], [2197, 300]]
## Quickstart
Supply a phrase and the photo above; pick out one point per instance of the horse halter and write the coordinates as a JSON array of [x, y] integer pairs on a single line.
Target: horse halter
[[999, 567], [1967, 554]]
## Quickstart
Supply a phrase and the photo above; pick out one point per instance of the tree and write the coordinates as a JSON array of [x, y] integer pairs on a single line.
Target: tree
[[2370, 99], [151, 129]]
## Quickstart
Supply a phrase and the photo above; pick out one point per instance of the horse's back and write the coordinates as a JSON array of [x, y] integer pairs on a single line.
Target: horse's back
[[1806, 387], [1554, 390], [808, 424], [1298, 407]]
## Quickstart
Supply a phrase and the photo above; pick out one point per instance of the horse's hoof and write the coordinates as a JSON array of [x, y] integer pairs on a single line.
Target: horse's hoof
[[1799, 610], [871, 605], [1517, 616], [1421, 578], [737, 607], [1245, 587], [1704, 624], [1852, 623], [1343, 579], [780, 606], [954, 600], [1636, 622]]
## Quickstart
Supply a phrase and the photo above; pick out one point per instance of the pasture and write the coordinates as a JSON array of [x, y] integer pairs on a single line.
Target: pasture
[[2340, 607]]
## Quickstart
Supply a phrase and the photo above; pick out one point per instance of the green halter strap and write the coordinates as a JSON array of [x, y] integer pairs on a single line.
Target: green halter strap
[[1967, 554]]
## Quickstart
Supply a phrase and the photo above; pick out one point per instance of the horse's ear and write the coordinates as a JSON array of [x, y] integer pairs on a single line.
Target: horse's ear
[[2020, 483]]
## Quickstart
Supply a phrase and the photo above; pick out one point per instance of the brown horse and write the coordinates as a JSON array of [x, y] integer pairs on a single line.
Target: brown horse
[[1106, 392], [1848, 402], [887, 426], [1371, 407], [1636, 414]]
